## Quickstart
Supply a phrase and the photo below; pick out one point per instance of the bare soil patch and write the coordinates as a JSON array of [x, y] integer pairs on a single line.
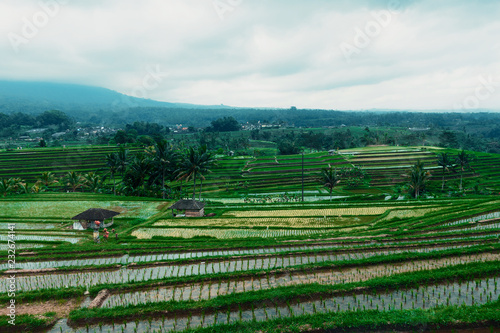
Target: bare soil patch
[[62, 308]]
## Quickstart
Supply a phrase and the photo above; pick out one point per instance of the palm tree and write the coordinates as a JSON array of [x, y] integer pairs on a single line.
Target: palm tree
[[463, 161], [207, 161], [418, 178], [93, 181], [194, 163], [47, 179], [112, 164], [13, 185], [5, 187], [445, 161], [123, 160], [164, 160], [137, 171], [330, 178], [35, 189], [74, 180], [19, 186]]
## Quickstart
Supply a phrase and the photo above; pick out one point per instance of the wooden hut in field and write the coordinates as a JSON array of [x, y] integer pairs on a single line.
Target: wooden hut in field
[[189, 208], [88, 218]]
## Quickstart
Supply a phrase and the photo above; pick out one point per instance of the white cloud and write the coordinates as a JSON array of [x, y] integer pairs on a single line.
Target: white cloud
[[263, 53]]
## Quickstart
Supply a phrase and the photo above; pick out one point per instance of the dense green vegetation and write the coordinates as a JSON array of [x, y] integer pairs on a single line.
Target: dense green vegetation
[[255, 132]]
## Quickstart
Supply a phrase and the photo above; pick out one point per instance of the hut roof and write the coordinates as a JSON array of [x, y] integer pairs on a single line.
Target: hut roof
[[187, 205], [98, 214]]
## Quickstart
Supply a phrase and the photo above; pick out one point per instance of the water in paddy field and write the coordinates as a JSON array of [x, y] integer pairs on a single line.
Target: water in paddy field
[[235, 265], [208, 290], [126, 259], [308, 197], [63, 280], [19, 246], [426, 297], [475, 228], [488, 216], [34, 238], [28, 225]]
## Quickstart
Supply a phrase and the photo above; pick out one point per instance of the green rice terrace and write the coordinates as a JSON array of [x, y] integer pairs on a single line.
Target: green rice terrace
[[363, 257]]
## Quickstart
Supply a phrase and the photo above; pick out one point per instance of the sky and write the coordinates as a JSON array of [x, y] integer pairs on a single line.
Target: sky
[[342, 55]]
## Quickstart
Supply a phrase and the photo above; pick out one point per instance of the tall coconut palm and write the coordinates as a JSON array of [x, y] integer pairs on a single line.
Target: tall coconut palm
[[74, 180], [195, 162], [47, 179], [164, 161], [418, 178], [93, 181], [207, 161], [463, 161], [445, 161], [112, 164], [138, 169], [330, 178], [123, 159]]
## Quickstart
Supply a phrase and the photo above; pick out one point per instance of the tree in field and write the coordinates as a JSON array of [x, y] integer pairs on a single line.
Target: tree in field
[[54, 117], [93, 181], [138, 170], [35, 188], [5, 187], [112, 164], [354, 176], [330, 178], [74, 180], [19, 186], [13, 185], [463, 161], [418, 178], [164, 162], [287, 147], [123, 157], [445, 161], [46, 179], [225, 124], [207, 161], [448, 139], [195, 162]]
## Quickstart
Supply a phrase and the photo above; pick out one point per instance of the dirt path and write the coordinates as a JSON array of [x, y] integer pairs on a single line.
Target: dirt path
[[62, 308]]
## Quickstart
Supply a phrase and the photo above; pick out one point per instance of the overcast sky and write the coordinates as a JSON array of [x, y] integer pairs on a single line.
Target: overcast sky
[[347, 55]]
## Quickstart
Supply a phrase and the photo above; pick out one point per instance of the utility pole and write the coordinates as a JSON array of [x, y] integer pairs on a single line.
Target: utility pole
[[302, 176]]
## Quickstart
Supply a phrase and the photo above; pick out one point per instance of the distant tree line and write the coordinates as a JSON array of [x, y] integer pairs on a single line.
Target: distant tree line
[[10, 124], [143, 133], [472, 131]]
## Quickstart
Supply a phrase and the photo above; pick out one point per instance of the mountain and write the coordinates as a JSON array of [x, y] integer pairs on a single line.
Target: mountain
[[103, 106], [36, 97]]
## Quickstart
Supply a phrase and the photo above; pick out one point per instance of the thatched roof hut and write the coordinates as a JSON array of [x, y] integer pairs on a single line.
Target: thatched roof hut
[[88, 217], [192, 208]]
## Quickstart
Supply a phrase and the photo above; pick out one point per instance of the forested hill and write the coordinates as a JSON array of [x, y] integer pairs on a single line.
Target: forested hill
[[310, 118], [75, 100], [107, 107]]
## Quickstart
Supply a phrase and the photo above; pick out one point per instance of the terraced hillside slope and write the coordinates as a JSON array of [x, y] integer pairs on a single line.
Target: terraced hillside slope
[[253, 267], [245, 176]]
